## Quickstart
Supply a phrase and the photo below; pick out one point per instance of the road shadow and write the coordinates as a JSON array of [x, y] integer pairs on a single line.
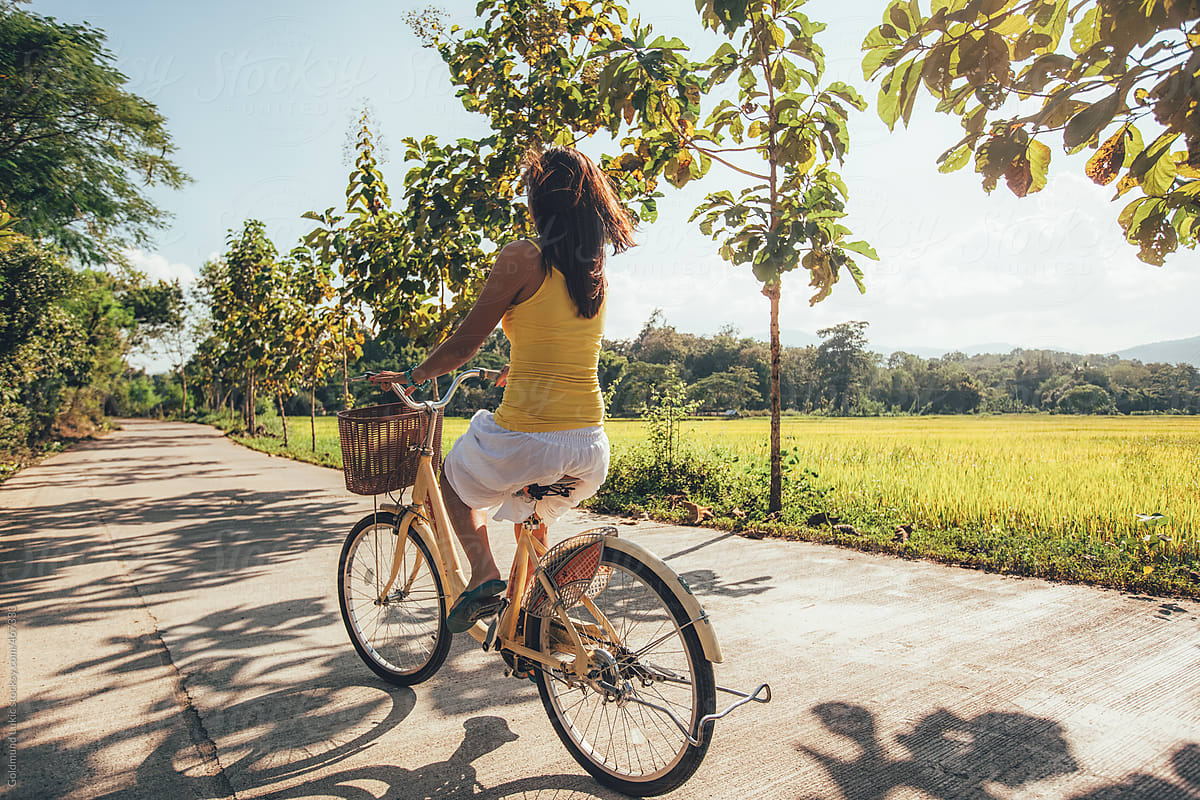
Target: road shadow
[[707, 582], [70, 558], [984, 757], [454, 777], [1185, 763], [196, 541]]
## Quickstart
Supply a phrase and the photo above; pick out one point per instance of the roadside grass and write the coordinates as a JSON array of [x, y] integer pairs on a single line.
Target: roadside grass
[[1056, 497]]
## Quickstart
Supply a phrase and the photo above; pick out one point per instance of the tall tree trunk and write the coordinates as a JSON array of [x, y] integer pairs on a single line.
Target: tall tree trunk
[[775, 498], [183, 380], [772, 290], [251, 419], [312, 416], [282, 418]]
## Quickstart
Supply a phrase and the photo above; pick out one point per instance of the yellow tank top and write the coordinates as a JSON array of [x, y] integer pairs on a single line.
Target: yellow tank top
[[552, 380]]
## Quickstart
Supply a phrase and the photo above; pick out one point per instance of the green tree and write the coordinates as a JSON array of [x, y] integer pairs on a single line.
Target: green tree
[[247, 290], [1085, 398], [639, 383], [731, 389], [951, 389], [313, 331], [843, 361], [527, 69], [40, 343], [77, 150], [1122, 78], [785, 132], [664, 410]]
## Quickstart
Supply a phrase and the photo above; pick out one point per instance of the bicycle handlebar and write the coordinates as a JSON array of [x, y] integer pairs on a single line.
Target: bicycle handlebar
[[433, 405]]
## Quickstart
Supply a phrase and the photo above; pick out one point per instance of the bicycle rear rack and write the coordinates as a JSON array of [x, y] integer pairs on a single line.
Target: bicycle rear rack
[[707, 720]]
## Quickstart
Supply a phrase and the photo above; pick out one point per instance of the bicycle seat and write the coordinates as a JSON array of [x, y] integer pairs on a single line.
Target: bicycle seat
[[560, 488]]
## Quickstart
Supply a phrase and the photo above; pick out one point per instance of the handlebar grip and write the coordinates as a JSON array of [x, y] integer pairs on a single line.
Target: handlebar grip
[[489, 374]]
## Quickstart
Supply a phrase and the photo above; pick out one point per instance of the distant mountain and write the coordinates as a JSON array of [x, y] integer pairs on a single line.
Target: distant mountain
[[938, 352], [1176, 351], [790, 337]]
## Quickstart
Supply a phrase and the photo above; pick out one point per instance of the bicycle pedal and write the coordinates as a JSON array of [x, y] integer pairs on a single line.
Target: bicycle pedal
[[493, 631], [488, 610]]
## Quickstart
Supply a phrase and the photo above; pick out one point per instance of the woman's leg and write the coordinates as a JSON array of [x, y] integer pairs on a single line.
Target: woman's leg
[[470, 525]]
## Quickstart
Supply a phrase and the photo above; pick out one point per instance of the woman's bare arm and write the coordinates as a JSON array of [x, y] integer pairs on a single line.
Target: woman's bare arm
[[516, 275]]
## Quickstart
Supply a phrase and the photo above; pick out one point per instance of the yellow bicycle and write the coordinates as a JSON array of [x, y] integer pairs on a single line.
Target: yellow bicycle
[[620, 649]]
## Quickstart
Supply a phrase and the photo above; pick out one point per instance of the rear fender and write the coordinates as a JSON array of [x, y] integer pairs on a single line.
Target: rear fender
[[691, 606]]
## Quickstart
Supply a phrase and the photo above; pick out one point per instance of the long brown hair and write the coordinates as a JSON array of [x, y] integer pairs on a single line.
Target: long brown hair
[[576, 213]]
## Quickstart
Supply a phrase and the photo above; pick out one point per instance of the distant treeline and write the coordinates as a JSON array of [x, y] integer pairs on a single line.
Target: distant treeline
[[727, 372], [842, 376]]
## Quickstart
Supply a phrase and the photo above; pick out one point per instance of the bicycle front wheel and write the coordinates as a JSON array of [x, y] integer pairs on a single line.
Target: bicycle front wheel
[[402, 636], [658, 659]]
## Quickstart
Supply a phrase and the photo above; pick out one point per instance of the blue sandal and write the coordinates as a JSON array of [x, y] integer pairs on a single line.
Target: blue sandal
[[472, 606]]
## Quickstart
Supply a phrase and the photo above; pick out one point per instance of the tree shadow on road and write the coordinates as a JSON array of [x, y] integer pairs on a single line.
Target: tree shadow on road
[[955, 758], [69, 558], [453, 778], [195, 541]]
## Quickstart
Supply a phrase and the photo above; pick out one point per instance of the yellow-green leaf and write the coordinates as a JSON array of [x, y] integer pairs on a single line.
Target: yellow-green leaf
[[1159, 178], [955, 159], [1039, 164], [1087, 31]]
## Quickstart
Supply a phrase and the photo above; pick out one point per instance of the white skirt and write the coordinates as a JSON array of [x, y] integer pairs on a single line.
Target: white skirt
[[489, 467]]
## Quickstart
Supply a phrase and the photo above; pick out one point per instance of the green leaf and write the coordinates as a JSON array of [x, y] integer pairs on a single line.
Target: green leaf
[[856, 273], [887, 104], [1087, 124], [1087, 31], [954, 159], [876, 58], [1148, 157], [662, 43], [778, 37], [1136, 214], [862, 248], [1160, 177], [848, 93], [908, 93], [779, 76]]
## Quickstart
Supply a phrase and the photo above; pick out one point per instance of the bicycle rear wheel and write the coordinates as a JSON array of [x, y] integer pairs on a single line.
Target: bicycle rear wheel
[[624, 744], [402, 637]]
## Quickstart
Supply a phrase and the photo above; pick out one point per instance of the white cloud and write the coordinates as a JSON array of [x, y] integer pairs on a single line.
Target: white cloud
[[157, 268]]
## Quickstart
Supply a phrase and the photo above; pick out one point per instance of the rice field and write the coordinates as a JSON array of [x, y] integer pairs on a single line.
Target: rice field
[[1069, 476], [1078, 477]]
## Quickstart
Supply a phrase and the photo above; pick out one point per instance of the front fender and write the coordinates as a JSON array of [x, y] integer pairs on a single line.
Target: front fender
[[691, 606]]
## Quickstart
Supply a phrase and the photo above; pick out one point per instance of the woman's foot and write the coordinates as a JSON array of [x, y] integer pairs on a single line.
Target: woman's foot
[[474, 604]]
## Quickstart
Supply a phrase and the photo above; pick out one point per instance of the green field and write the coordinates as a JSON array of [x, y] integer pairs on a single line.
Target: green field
[[1057, 496]]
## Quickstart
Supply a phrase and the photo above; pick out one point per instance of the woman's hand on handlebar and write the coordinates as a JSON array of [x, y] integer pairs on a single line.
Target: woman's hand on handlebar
[[502, 379], [388, 381]]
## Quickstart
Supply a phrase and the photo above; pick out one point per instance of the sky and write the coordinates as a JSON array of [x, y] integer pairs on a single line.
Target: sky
[[260, 96]]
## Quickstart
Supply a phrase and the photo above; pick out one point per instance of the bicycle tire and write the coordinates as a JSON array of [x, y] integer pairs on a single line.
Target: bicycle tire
[[641, 609], [404, 641]]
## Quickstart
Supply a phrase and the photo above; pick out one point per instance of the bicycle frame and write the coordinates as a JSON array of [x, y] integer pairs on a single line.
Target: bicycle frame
[[428, 510]]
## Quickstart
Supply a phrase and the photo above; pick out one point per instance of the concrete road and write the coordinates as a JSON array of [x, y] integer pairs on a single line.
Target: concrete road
[[174, 633]]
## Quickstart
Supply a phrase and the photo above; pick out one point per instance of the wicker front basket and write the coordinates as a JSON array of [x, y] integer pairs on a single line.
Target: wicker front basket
[[379, 447]]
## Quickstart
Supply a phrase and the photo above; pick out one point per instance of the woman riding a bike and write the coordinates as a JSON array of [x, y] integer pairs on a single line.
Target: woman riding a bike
[[549, 294]]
